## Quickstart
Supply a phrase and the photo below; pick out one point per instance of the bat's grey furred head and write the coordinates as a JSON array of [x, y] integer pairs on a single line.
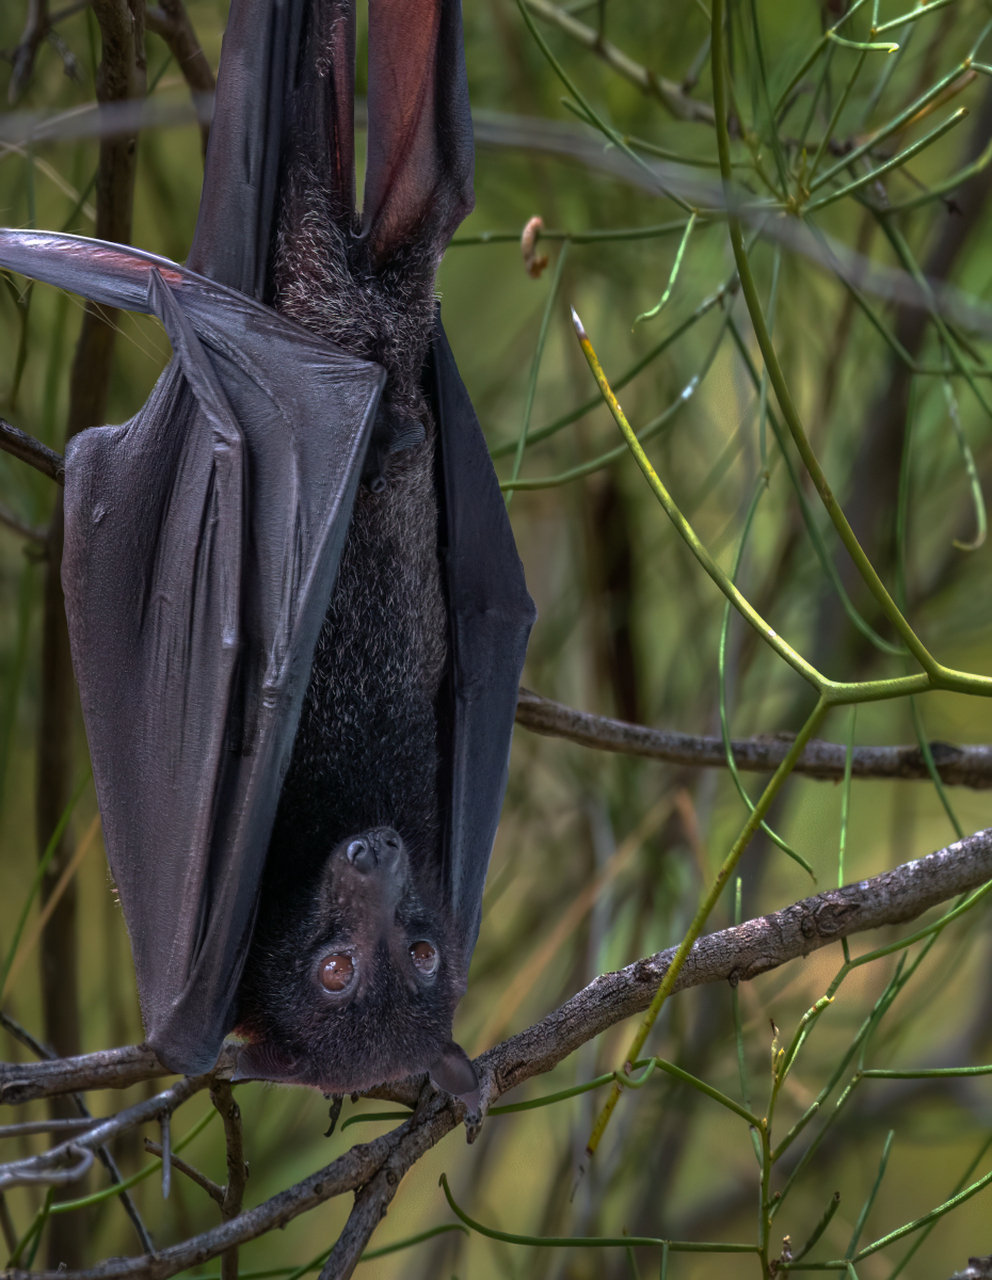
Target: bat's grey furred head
[[354, 982]]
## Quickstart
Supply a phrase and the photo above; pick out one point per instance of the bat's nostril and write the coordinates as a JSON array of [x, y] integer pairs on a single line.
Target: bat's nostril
[[360, 855]]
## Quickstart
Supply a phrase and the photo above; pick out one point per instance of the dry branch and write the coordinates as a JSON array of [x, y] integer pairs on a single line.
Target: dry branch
[[35, 30], [11, 521], [668, 92], [237, 1170], [957, 766], [17, 442], [46, 1167], [977, 1269], [170, 22], [108, 1069], [206, 1184], [374, 1169]]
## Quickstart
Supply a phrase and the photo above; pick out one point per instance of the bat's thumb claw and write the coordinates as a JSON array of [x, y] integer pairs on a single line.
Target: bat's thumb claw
[[454, 1073]]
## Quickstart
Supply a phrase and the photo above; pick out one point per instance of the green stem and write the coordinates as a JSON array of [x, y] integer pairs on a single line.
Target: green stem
[[615, 137], [708, 903], [782, 393], [912, 16], [775, 838], [828, 132], [685, 529], [817, 49], [904, 1260], [647, 433], [673, 277], [591, 1242], [542, 433], [606, 236], [887, 130], [859, 1226], [535, 366], [895, 163]]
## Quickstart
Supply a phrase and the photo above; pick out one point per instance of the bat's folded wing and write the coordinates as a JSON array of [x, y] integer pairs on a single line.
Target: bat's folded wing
[[202, 543], [490, 618]]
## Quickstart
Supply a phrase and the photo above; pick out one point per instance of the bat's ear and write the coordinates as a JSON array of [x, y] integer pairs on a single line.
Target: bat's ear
[[265, 1061], [418, 178], [453, 1072]]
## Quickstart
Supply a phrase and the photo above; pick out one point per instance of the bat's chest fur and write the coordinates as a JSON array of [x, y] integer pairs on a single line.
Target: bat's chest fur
[[365, 754]]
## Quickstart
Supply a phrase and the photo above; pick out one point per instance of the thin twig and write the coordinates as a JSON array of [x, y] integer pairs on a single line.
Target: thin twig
[[10, 521], [667, 91], [46, 1126], [171, 23], [46, 1166], [48, 1060], [107, 1069], [215, 1192], [222, 1096], [957, 766], [35, 29]]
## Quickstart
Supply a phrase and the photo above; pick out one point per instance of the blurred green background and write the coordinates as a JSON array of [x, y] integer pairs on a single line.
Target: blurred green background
[[629, 626]]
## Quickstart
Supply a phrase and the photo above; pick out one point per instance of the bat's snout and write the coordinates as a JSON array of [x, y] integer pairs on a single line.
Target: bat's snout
[[379, 850]]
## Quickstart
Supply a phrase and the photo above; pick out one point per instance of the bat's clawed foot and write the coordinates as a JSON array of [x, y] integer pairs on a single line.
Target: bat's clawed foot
[[473, 1125], [454, 1073], [337, 1102]]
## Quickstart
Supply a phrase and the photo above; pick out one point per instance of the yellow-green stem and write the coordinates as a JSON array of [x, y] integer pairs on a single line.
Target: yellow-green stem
[[706, 907]]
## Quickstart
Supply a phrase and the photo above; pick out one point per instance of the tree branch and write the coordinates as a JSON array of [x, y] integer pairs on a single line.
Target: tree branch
[[222, 1097], [668, 92], [35, 30], [206, 1184], [46, 1167], [171, 23], [11, 521], [374, 1169], [18, 443], [957, 766], [109, 1069], [977, 1269]]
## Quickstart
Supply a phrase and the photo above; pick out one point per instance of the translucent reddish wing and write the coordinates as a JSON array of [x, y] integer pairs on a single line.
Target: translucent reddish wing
[[418, 182]]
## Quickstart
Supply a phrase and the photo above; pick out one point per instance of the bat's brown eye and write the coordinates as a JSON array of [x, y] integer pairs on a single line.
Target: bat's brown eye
[[424, 958], [337, 971]]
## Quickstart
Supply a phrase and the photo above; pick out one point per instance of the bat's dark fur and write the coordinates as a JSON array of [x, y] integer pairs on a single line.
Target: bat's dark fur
[[365, 754]]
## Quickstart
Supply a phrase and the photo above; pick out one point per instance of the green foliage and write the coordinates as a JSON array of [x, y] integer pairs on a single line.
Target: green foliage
[[783, 266]]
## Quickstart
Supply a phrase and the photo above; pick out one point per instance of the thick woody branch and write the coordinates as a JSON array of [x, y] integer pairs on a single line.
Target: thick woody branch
[[957, 766], [374, 1169], [84, 1119], [741, 953], [108, 1069], [18, 443], [977, 1269]]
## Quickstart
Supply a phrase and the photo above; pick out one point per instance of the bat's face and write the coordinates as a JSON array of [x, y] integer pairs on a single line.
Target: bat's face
[[362, 988]]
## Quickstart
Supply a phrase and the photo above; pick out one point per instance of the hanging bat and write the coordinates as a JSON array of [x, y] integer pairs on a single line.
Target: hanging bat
[[296, 610]]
